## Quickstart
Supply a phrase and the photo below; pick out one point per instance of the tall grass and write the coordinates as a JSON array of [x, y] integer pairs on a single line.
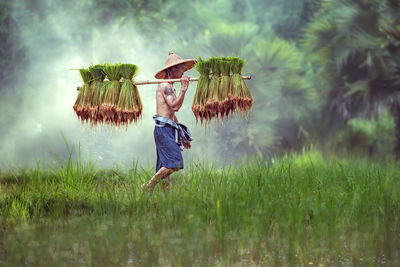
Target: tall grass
[[301, 209]]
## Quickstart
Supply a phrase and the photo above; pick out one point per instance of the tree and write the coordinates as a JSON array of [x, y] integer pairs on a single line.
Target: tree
[[293, 16], [369, 136], [356, 43]]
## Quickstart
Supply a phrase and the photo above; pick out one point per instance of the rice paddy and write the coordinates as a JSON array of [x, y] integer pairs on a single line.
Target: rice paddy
[[301, 209]]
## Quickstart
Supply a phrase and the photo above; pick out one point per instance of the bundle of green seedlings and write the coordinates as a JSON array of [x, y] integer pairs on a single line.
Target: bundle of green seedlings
[[81, 107], [212, 103], [98, 91], [111, 94], [241, 96], [200, 98], [224, 105], [224, 92], [129, 107]]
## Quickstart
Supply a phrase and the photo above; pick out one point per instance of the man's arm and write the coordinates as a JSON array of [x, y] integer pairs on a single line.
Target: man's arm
[[175, 103]]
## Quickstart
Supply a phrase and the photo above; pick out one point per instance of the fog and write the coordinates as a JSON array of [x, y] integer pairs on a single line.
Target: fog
[[41, 104]]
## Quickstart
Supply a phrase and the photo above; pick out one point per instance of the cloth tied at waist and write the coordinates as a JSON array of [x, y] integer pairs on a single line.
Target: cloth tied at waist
[[181, 131]]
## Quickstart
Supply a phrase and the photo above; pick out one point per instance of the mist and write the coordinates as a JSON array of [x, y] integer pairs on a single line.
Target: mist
[[41, 99]]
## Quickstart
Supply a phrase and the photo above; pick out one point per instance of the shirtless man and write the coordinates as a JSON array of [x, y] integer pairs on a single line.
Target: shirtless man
[[169, 156]]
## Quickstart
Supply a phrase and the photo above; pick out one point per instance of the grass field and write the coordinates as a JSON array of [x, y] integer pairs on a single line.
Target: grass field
[[299, 210]]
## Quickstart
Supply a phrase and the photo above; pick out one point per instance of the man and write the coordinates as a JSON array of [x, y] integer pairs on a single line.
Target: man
[[169, 135]]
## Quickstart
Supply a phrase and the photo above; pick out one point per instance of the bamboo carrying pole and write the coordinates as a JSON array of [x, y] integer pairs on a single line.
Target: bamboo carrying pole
[[169, 81]]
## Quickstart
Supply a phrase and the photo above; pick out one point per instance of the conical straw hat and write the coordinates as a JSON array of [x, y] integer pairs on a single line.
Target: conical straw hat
[[173, 60]]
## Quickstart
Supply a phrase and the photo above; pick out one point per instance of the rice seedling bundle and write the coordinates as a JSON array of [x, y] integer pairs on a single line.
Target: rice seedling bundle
[[200, 98], [224, 92], [224, 84], [98, 91], [111, 93], [235, 82], [80, 106], [242, 97], [138, 103], [129, 107], [218, 93], [213, 87]]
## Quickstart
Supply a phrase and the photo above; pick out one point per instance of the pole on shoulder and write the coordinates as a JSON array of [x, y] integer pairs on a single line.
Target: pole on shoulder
[[169, 81]]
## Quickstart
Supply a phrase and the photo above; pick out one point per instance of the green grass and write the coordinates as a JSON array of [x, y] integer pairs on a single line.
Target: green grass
[[300, 210]]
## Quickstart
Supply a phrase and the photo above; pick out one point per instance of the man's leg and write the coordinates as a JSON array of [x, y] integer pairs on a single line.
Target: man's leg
[[162, 173], [165, 182]]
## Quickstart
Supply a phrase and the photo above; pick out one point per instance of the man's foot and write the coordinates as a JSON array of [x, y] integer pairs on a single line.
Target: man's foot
[[149, 186]]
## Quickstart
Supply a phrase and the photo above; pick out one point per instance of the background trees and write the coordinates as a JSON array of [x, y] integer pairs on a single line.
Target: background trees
[[355, 44]]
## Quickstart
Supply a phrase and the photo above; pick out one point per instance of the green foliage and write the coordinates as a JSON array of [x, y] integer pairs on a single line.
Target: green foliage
[[357, 46], [359, 58], [374, 137], [293, 15]]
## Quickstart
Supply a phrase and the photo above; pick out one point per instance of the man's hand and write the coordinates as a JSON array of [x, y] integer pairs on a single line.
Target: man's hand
[[184, 83], [186, 145]]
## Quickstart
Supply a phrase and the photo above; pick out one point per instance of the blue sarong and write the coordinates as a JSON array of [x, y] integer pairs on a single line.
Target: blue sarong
[[169, 154], [167, 136], [181, 131]]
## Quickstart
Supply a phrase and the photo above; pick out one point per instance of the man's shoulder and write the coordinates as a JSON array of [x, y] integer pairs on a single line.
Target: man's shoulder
[[165, 88], [164, 85]]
